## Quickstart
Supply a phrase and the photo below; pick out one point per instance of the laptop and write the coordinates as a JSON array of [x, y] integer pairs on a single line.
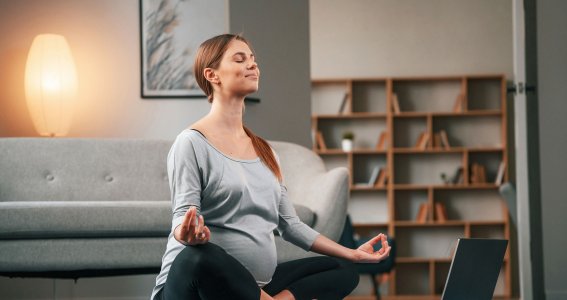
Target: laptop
[[474, 269]]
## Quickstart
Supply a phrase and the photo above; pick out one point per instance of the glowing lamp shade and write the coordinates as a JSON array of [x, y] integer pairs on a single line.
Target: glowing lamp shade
[[51, 84]]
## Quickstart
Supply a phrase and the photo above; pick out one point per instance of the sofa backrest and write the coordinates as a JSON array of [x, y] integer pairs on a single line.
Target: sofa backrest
[[116, 169], [299, 166], [83, 169]]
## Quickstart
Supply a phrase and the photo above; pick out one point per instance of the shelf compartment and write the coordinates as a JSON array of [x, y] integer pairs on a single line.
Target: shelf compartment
[[491, 162], [487, 231], [407, 203], [425, 169], [366, 131], [368, 207], [369, 96], [427, 95], [472, 205], [412, 279], [484, 93], [363, 166], [364, 233], [427, 241], [471, 131], [407, 131], [327, 96]]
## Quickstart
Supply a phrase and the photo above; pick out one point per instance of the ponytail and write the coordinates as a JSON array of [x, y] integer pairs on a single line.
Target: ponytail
[[265, 152]]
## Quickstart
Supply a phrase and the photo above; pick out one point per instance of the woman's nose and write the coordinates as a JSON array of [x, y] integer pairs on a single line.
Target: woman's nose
[[253, 65]]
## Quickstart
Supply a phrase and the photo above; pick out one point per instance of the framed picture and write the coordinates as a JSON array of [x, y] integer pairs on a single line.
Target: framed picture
[[170, 34]]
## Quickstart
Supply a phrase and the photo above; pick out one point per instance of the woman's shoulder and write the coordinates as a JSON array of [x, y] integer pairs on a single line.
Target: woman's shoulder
[[189, 140]]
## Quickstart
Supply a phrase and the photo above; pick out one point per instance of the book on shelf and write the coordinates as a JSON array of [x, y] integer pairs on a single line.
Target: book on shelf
[[459, 103], [500, 174], [422, 141], [444, 139], [437, 140], [321, 141], [419, 140], [440, 212], [395, 104], [422, 213], [478, 173], [343, 104], [382, 178], [382, 141], [374, 175]]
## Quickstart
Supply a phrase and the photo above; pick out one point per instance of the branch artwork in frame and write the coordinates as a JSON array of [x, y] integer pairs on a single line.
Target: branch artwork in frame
[[170, 34]]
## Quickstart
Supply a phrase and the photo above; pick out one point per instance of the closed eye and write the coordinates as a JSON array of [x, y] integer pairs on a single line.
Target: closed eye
[[240, 57]]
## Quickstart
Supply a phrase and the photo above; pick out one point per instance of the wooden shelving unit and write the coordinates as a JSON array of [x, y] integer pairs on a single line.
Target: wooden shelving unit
[[476, 132]]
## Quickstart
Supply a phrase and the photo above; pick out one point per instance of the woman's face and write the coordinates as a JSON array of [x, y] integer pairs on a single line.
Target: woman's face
[[238, 73]]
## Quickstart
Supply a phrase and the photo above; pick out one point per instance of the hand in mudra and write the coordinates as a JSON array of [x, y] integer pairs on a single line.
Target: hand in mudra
[[366, 253], [192, 230]]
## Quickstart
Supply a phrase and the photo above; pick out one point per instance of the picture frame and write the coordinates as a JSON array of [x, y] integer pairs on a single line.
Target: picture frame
[[170, 34]]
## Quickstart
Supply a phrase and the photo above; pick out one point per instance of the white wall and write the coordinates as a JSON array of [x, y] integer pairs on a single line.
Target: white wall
[[375, 38]]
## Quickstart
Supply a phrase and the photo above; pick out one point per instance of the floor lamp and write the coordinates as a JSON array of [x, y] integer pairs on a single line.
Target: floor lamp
[[50, 85]]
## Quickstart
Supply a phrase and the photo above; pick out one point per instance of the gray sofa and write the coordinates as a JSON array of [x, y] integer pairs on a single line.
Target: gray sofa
[[76, 207]]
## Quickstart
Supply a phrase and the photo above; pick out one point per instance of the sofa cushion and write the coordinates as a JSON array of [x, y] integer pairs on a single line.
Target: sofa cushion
[[69, 219], [102, 219]]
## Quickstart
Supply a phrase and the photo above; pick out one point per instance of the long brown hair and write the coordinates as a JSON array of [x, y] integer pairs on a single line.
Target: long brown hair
[[209, 55]]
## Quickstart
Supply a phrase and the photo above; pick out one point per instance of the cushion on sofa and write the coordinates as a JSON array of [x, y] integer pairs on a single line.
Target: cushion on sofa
[[72, 219], [83, 219]]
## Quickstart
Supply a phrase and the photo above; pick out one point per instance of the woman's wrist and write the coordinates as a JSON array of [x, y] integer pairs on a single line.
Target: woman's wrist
[[354, 256]]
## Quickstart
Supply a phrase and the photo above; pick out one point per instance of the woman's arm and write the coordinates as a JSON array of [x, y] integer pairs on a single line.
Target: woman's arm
[[364, 253]]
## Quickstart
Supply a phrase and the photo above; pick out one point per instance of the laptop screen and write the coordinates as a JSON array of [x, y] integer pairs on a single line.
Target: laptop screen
[[474, 269]]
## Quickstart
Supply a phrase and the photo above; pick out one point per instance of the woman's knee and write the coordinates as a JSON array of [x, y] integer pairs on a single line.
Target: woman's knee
[[349, 274], [194, 259]]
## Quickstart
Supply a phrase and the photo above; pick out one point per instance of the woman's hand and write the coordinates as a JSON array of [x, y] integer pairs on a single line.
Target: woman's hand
[[366, 253], [192, 230]]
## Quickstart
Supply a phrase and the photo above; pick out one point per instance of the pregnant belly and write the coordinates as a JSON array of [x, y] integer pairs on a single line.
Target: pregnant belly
[[256, 251]]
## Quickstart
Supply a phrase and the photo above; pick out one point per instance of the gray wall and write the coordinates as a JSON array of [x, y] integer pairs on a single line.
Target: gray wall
[[104, 38], [283, 56], [552, 107]]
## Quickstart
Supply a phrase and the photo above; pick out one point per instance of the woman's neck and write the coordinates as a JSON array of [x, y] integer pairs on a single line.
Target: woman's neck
[[226, 114]]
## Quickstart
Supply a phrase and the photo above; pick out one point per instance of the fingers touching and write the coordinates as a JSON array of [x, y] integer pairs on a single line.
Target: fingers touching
[[192, 230]]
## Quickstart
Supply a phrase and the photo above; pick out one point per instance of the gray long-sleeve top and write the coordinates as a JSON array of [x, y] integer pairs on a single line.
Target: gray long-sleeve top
[[242, 202]]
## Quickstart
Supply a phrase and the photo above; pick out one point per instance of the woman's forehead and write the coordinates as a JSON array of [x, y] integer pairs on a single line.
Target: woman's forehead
[[237, 46]]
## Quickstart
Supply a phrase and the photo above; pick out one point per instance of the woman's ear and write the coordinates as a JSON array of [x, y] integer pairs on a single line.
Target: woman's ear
[[211, 76]]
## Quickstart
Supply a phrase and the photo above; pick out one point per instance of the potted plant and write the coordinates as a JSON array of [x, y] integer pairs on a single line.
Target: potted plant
[[347, 141]]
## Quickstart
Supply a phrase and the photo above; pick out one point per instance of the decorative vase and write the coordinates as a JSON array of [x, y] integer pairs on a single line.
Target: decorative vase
[[347, 145]]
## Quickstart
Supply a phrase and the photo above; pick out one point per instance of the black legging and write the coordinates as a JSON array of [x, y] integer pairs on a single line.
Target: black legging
[[207, 271]]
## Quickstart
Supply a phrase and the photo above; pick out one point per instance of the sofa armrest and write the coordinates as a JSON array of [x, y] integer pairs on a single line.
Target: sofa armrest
[[327, 195]]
